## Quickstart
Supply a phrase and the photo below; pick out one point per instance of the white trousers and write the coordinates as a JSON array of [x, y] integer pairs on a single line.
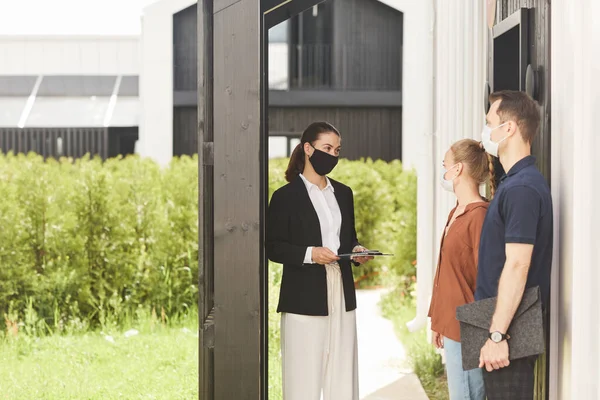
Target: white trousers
[[319, 354]]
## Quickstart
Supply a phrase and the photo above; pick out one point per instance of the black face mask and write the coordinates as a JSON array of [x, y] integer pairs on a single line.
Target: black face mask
[[323, 163]]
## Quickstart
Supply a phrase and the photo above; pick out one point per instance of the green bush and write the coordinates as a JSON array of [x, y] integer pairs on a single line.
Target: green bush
[[97, 241], [385, 202]]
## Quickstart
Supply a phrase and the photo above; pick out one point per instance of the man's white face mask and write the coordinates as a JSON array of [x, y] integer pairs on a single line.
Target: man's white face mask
[[486, 138]]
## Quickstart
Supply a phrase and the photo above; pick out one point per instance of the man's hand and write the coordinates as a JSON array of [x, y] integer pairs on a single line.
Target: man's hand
[[322, 255], [494, 355], [360, 260], [437, 340]]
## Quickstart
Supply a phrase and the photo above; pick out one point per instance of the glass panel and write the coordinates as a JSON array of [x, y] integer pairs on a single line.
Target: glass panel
[[278, 66], [279, 33], [293, 143], [277, 146]]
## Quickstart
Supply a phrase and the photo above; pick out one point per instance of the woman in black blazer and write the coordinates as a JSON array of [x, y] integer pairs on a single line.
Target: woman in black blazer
[[310, 221]]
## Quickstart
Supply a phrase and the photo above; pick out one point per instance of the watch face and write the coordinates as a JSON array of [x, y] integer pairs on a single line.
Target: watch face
[[496, 337]]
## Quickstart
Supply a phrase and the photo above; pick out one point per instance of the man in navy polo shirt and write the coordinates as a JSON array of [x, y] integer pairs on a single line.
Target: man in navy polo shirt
[[515, 249]]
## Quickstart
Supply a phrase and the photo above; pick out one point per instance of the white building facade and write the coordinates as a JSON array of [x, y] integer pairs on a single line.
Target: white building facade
[[460, 52]]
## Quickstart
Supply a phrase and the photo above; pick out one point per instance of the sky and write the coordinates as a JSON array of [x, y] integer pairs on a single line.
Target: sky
[[71, 17]]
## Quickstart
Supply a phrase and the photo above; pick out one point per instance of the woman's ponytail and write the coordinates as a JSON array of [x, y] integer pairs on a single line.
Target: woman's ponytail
[[492, 172], [296, 164]]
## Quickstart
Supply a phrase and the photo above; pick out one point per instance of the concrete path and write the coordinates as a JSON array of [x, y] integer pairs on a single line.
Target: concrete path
[[383, 370]]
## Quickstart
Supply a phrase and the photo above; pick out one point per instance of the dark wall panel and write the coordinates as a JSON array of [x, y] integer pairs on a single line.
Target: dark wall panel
[[55, 142], [185, 132], [185, 49], [121, 141], [366, 132], [367, 45]]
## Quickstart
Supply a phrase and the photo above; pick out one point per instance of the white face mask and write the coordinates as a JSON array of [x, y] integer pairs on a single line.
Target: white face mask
[[447, 184], [486, 138]]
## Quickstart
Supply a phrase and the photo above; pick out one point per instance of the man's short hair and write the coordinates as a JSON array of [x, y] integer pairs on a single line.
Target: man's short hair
[[521, 108]]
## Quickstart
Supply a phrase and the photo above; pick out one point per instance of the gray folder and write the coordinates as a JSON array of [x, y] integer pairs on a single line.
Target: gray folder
[[526, 329]]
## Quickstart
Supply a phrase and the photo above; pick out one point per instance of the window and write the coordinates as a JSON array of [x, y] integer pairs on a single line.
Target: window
[[278, 56], [282, 145], [279, 33]]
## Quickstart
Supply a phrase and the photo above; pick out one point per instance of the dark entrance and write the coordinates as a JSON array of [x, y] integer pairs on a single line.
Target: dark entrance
[[519, 59], [232, 149]]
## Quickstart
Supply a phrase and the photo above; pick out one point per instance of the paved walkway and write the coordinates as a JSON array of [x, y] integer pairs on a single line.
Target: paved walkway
[[383, 371]]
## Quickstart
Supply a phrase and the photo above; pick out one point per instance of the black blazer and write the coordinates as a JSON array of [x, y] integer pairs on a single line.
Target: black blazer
[[292, 226]]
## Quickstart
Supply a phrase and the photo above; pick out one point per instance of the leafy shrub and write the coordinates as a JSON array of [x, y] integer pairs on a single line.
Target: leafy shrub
[[92, 243], [96, 242]]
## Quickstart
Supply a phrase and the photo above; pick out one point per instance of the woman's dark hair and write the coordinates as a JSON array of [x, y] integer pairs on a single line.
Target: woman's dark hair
[[310, 134]]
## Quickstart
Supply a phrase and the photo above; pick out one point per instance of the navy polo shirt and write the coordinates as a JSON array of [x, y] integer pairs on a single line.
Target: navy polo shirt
[[521, 212]]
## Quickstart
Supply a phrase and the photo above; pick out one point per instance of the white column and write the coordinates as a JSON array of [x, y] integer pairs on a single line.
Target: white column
[[459, 55], [456, 102], [417, 119], [156, 84], [575, 85], [459, 70]]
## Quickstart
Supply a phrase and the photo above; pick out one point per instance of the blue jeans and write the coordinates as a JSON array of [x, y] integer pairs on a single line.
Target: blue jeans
[[462, 385]]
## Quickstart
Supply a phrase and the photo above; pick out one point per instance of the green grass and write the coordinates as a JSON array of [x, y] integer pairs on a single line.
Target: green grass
[[160, 362], [426, 363]]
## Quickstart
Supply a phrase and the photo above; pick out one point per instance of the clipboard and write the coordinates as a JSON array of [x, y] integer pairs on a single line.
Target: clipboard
[[370, 253]]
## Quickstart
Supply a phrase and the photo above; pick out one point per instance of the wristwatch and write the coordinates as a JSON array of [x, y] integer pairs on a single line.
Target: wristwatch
[[497, 337]]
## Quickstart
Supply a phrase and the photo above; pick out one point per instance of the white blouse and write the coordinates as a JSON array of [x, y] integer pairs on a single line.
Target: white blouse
[[330, 217]]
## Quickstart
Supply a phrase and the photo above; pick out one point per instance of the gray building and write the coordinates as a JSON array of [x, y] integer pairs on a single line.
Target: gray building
[[69, 95], [339, 61]]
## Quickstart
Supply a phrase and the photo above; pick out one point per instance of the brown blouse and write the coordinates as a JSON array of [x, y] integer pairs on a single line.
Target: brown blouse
[[454, 283]]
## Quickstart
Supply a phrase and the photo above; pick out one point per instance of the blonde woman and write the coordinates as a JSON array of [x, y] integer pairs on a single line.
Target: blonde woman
[[466, 166]]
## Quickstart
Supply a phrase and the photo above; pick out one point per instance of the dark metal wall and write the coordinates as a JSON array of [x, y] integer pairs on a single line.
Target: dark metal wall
[[366, 132]]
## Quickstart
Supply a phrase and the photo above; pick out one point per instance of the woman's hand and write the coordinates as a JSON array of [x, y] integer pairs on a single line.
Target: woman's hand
[[322, 255], [437, 340], [361, 260]]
